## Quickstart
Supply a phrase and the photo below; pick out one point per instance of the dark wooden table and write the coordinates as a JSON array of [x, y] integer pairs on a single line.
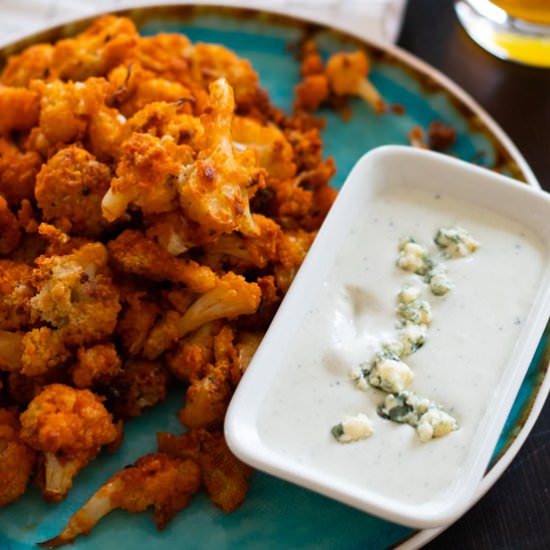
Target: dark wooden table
[[515, 513]]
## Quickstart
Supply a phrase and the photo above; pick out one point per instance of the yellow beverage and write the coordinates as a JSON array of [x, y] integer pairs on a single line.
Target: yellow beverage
[[532, 11], [528, 43]]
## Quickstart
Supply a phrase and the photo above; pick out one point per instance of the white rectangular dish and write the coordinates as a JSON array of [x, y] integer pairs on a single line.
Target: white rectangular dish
[[341, 310]]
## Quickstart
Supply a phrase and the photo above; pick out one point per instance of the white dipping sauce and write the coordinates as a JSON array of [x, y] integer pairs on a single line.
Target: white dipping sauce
[[474, 328]]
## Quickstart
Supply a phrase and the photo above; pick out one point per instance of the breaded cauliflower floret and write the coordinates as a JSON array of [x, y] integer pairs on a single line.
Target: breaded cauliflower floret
[[18, 171], [231, 297], [43, 349], [10, 235], [140, 385], [132, 252], [146, 176], [76, 295], [32, 63], [69, 426], [215, 190], [240, 253], [207, 398], [94, 52], [311, 92], [16, 459], [96, 365], [10, 351], [164, 482], [19, 109], [69, 190], [167, 119], [136, 321], [210, 62], [67, 107], [165, 55], [15, 291], [193, 354], [136, 87], [224, 475], [347, 75], [275, 152]]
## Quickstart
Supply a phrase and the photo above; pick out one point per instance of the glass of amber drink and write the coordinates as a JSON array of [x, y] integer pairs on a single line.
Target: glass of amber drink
[[518, 30]]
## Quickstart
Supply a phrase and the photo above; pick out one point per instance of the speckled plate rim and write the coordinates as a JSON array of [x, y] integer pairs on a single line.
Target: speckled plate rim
[[534, 406]]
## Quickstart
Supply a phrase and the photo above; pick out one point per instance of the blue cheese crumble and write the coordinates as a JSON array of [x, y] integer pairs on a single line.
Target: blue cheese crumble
[[413, 257], [428, 418], [353, 428], [438, 280], [418, 312], [456, 242]]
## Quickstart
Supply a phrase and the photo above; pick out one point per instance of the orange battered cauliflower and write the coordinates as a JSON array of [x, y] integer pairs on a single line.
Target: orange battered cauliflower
[[156, 480], [10, 235], [69, 426], [347, 75], [18, 109], [146, 176], [16, 459], [140, 385], [15, 291], [18, 171], [69, 190], [98, 364], [94, 52], [32, 63], [215, 190], [76, 295], [231, 297], [133, 252]]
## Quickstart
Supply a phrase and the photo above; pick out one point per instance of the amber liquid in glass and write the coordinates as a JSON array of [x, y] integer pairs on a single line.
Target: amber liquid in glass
[[531, 11]]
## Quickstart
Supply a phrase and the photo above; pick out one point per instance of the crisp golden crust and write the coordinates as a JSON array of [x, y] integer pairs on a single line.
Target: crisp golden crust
[[69, 189], [16, 459], [15, 291], [10, 234], [62, 419], [19, 109], [98, 364], [18, 171]]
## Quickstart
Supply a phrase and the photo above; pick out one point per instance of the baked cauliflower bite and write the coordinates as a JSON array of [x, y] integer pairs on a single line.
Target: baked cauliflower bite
[[210, 62], [215, 190], [132, 252], [104, 45], [231, 297], [15, 291], [140, 385], [69, 190], [76, 295], [66, 109], [146, 176], [10, 234], [135, 87], [275, 153], [98, 364], [69, 427], [165, 483], [18, 171], [347, 75], [16, 458], [32, 63], [223, 475], [19, 109]]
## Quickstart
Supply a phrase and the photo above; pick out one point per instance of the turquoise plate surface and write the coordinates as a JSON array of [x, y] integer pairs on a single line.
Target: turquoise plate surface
[[275, 514]]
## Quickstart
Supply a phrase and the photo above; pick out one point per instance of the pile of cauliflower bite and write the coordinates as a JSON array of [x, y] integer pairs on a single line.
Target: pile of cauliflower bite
[[154, 209]]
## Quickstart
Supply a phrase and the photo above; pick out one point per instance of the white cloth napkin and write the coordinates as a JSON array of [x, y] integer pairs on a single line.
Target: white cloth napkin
[[376, 19]]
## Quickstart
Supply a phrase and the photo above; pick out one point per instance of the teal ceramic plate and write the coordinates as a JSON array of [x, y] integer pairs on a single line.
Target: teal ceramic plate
[[277, 514]]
